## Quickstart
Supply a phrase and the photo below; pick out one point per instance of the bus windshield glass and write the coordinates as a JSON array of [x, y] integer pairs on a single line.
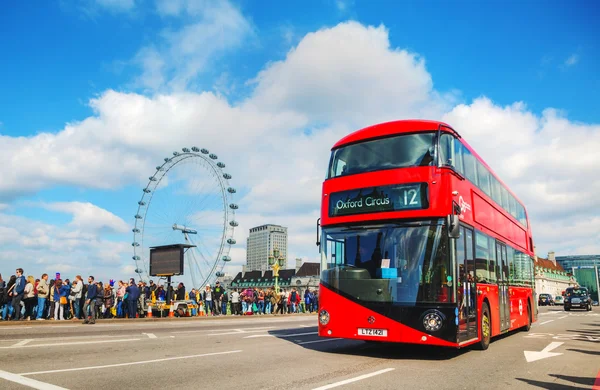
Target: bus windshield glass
[[408, 150], [407, 263]]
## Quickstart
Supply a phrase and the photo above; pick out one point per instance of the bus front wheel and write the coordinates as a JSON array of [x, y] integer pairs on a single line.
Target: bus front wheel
[[486, 328]]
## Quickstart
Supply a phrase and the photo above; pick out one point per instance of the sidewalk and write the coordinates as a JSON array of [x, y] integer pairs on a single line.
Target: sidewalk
[[153, 319]]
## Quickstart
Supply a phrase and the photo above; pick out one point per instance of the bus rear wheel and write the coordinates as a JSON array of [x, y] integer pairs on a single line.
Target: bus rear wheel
[[528, 326], [486, 328]]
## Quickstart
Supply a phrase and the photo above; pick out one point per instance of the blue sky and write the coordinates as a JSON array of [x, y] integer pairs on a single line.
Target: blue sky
[[60, 56], [479, 60]]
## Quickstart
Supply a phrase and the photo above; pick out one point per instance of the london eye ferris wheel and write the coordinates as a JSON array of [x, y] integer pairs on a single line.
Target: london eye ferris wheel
[[187, 200]]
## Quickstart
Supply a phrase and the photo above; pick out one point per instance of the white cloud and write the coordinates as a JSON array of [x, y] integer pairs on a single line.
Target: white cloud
[[40, 247], [276, 143], [572, 60], [349, 74], [89, 217], [183, 53]]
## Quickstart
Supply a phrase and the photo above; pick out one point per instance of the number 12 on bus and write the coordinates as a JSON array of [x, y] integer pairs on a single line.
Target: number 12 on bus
[[420, 241]]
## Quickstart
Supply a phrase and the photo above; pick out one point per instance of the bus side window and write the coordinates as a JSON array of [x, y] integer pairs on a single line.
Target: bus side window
[[458, 156], [446, 150], [470, 166]]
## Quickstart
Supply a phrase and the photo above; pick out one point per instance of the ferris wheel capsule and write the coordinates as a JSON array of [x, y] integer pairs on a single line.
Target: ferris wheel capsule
[[227, 176], [221, 165], [213, 156], [195, 149], [226, 258], [204, 151], [185, 150]]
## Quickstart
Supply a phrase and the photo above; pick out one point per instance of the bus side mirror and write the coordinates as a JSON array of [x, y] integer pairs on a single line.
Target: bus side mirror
[[453, 226], [318, 225]]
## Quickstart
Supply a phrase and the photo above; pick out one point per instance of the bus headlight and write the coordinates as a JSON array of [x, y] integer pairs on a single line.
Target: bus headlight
[[323, 317], [433, 321]]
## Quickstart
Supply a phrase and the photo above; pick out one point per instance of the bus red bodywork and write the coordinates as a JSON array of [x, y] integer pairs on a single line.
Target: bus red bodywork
[[478, 211]]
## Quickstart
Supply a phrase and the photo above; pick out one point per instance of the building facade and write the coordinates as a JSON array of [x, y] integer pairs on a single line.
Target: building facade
[[586, 269], [260, 244], [550, 277]]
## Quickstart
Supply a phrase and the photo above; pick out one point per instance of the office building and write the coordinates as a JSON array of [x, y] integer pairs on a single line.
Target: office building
[[586, 269], [261, 242]]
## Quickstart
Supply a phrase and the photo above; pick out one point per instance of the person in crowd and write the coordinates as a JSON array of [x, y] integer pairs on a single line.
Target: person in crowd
[[2, 297], [160, 293], [224, 300], [43, 290], [17, 293], [50, 314], [89, 310], [192, 295], [77, 290], [29, 297], [133, 294], [207, 297], [141, 299], [121, 308], [217, 292], [7, 310], [99, 299], [180, 294], [60, 291], [235, 303]]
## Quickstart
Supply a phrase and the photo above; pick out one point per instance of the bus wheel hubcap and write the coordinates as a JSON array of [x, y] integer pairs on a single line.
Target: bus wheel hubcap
[[485, 326]]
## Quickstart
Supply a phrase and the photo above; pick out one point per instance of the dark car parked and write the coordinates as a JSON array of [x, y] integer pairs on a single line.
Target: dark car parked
[[545, 300], [577, 297]]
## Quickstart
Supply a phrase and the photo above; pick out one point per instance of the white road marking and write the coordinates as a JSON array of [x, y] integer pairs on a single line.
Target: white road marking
[[532, 356], [64, 326], [150, 335], [560, 318], [225, 331], [71, 343], [545, 322], [258, 335], [28, 381], [15, 327], [317, 341], [351, 380], [230, 333], [22, 342], [131, 363]]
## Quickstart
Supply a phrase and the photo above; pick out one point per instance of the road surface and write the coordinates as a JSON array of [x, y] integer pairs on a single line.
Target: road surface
[[562, 350]]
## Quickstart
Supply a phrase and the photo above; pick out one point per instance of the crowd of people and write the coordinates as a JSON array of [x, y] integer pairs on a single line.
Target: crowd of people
[[28, 298]]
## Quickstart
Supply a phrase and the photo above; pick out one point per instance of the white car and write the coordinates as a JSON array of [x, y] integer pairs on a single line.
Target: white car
[[559, 300]]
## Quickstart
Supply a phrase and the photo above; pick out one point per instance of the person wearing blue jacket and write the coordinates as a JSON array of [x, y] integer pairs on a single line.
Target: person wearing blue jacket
[[60, 290], [133, 294], [90, 302], [17, 294]]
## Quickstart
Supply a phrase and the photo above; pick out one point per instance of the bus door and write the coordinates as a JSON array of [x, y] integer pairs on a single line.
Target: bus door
[[503, 299], [466, 288]]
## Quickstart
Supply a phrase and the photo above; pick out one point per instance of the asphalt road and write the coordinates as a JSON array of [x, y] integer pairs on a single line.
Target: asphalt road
[[285, 353]]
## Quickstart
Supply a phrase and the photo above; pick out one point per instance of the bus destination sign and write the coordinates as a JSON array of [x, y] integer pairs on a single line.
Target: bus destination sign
[[378, 199]]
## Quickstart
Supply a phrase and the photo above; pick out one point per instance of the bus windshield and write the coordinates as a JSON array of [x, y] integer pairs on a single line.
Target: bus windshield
[[404, 264], [408, 150]]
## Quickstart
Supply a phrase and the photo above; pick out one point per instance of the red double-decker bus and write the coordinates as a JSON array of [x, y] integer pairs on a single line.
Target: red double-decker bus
[[420, 241]]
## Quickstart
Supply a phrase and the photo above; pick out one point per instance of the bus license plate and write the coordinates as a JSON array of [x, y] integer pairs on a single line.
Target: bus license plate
[[372, 332]]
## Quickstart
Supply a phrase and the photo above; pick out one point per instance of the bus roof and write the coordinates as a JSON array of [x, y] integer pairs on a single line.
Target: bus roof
[[390, 128], [387, 129]]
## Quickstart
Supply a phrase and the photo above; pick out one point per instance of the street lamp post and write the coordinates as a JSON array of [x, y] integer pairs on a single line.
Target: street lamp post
[[276, 262]]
